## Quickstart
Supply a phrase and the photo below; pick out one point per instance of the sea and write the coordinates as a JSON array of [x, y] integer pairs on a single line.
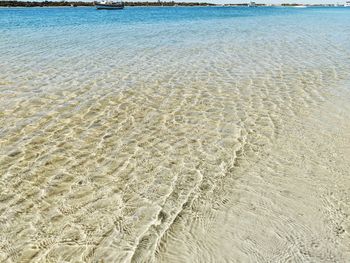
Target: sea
[[175, 134]]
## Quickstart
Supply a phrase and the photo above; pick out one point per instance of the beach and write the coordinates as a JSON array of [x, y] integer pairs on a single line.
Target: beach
[[180, 134]]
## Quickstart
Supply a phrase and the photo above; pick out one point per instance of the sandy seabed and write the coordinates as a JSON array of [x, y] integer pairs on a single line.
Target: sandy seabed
[[180, 153]]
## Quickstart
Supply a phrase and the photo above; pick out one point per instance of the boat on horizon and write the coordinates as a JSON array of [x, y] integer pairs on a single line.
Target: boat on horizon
[[252, 4], [347, 4], [109, 5]]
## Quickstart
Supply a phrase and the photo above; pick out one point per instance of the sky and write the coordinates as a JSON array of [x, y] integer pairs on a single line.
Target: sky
[[261, 1], [247, 1], [286, 1], [231, 1]]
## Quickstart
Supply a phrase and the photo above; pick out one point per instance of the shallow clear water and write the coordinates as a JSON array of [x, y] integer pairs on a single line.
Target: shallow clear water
[[206, 134]]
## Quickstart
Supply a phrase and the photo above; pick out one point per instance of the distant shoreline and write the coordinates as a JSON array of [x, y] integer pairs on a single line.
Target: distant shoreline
[[82, 4], [138, 4]]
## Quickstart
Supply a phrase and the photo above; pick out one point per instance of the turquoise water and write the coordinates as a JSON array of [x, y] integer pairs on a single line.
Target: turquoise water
[[201, 134]]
